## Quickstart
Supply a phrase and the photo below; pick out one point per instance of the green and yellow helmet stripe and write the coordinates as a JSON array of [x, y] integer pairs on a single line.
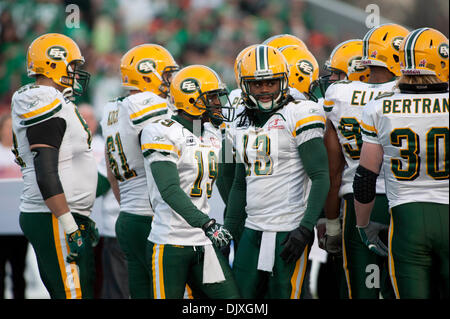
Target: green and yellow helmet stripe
[[410, 44], [261, 58], [366, 42]]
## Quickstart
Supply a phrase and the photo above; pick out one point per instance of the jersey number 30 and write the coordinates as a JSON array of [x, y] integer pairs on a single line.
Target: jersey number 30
[[437, 163]]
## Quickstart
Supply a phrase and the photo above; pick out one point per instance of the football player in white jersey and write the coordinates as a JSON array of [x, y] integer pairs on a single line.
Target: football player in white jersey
[[52, 146], [146, 72], [278, 144], [344, 63], [406, 134], [181, 161], [297, 85], [344, 103]]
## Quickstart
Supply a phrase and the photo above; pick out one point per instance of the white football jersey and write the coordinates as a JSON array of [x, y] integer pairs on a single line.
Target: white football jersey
[[122, 122], [197, 161], [77, 169], [344, 103], [413, 130], [277, 184], [237, 103]]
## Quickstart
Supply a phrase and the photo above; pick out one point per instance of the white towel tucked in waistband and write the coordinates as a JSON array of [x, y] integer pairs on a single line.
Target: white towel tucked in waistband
[[267, 251], [212, 271]]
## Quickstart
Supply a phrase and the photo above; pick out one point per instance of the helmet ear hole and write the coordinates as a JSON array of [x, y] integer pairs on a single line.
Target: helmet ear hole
[[147, 79], [443, 64], [191, 100], [396, 58], [300, 78], [53, 65]]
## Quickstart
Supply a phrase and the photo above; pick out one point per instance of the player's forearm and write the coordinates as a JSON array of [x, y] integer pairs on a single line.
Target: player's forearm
[[57, 204], [224, 180], [167, 180], [363, 212], [336, 163], [235, 214], [315, 161]]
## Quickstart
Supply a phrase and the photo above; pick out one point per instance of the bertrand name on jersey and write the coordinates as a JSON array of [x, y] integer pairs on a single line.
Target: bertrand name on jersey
[[417, 105]]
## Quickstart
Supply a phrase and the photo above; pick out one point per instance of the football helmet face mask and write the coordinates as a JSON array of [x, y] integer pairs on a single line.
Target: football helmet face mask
[[260, 64], [303, 67], [199, 92], [282, 40], [59, 58], [381, 47], [238, 61], [148, 67], [425, 52]]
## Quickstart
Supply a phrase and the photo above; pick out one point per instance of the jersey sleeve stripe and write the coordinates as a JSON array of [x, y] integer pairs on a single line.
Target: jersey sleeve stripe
[[368, 128], [148, 116], [328, 103], [308, 127], [147, 110], [315, 118], [42, 117], [159, 147], [40, 110]]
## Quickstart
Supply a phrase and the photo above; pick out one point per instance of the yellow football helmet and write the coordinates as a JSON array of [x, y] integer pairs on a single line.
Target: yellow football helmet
[[381, 47], [425, 51], [346, 58], [238, 61], [59, 58], [282, 40], [148, 67], [264, 63], [198, 91], [303, 67]]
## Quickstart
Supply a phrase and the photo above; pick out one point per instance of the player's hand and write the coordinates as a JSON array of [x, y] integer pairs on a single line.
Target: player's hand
[[76, 246], [295, 243], [369, 236], [219, 235], [94, 235], [331, 238]]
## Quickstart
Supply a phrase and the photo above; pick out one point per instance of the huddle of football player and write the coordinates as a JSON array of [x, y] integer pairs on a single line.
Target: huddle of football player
[[284, 148]]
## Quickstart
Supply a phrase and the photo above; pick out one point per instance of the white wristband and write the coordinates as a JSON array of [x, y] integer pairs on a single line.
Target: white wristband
[[333, 227], [68, 222]]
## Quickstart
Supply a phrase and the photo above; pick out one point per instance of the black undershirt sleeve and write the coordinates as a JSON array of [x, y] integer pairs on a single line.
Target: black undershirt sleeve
[[50, 132], [45, 159]]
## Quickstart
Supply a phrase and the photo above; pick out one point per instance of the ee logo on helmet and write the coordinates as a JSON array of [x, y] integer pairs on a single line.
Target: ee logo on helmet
[[396, 42], [189, 86], [305, 67], [146, 66], [443, 50], [57, 53]]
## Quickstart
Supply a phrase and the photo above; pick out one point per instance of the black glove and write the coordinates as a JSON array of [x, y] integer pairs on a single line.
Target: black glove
[[295, 243], [218, 234]]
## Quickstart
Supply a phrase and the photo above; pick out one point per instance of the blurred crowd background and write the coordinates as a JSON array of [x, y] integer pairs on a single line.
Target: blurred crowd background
[[210, 32]]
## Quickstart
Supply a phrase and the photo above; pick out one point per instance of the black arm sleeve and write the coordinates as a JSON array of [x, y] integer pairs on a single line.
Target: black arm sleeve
[[50, 132], [46, 168]]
